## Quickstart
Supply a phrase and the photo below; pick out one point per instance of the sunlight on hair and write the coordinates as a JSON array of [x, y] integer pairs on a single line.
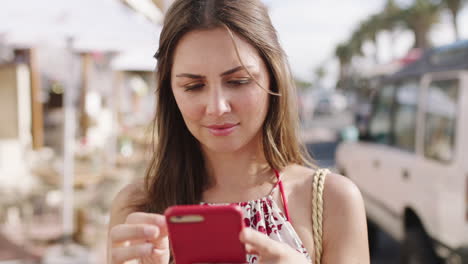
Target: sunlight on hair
[[242, 63]]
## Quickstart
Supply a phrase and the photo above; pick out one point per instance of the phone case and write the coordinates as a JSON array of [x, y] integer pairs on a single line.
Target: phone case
[[211, 234]]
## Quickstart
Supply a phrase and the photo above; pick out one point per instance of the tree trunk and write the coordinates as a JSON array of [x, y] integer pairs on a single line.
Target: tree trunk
[[376, 51], [420, 39], [455, 25], [342, 72]]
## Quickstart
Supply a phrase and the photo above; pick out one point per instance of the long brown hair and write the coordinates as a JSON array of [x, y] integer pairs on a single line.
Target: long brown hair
[[177, 172]]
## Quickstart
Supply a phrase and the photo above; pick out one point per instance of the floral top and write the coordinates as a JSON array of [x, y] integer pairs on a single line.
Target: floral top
[[265, 216]]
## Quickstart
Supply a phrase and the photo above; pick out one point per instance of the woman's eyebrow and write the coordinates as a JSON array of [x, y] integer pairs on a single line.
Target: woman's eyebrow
[[197, 76], [233, 70], [189, 75]]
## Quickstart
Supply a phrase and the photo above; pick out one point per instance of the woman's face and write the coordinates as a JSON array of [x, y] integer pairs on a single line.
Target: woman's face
[[221, 104]]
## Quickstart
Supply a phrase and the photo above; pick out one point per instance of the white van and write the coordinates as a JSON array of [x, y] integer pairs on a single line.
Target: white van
[[411, 165]]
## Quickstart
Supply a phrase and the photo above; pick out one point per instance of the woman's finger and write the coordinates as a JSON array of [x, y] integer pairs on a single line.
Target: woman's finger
[[130, 232], [122, 254], [259, 243], [150, 219]]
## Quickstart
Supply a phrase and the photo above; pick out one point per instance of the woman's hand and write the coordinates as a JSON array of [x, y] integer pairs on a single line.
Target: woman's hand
[[143, 236], [268, 250]]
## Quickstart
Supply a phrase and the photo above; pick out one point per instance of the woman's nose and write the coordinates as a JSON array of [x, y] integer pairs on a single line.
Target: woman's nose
[[218, 103]]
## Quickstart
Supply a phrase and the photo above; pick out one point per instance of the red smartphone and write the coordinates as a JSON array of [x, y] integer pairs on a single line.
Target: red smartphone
[[205, 234]]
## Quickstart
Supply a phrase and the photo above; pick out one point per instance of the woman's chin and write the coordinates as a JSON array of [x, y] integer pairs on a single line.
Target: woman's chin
[[222, 147]]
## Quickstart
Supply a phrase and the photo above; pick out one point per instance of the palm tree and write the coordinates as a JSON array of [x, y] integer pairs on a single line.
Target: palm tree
[[370, 30], [391, 8], [319, 73], [391, 16], [391, 21], [420, 18], [344, 54], [356, 42], [454, 6]]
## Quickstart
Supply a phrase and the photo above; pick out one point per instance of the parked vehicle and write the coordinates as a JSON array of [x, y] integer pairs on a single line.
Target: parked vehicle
[[330, 103], [411, 163]]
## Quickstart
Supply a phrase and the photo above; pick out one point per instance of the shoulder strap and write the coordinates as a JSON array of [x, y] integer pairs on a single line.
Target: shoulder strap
[[283, 196], [317, 211]]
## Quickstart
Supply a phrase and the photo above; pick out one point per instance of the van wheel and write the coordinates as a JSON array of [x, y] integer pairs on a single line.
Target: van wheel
[[417, 249], [372, 233]]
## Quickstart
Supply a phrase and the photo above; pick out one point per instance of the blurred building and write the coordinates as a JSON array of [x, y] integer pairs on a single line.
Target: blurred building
[[110, 74]]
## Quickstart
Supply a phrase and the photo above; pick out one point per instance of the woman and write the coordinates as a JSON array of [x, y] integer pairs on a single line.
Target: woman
[[226, 128]]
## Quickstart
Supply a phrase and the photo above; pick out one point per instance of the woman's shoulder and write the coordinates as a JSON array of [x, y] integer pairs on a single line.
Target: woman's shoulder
[[336, 186], [297, 175], [344, 218], [340, 194], [127, 193], [124, 201], [342, 200]]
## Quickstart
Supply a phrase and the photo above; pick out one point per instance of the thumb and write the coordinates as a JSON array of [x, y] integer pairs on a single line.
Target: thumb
[[259, 243]]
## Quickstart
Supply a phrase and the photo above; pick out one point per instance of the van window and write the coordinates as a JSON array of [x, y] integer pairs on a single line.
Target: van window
[[440, 120], [406, 107], [380, 123]]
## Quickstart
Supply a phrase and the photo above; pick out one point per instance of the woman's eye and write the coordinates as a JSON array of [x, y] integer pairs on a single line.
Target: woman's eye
[[239, 82], [193, 87]]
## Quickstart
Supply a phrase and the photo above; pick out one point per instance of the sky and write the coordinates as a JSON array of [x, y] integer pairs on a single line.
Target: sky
[[309, 31]]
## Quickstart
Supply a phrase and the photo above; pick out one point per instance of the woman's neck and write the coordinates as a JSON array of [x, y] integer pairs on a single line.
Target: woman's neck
[[237, 176]]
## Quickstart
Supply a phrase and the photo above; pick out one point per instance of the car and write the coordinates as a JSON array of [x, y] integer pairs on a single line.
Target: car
[[410, 163], [330, 103]]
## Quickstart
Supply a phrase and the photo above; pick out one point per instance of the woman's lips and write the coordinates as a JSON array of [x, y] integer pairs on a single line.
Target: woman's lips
[[222, 130]]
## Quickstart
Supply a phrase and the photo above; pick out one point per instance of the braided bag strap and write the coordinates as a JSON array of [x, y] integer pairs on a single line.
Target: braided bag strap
[[317, 211]]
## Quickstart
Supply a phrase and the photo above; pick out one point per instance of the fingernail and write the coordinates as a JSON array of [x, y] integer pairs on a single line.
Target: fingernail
[[150, 231]]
